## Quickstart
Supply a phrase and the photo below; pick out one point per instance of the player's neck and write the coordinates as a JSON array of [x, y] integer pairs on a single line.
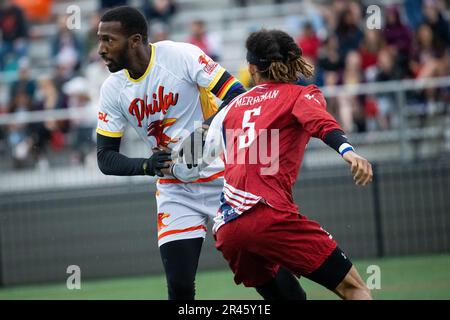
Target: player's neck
[[138, 65], [262, 81]]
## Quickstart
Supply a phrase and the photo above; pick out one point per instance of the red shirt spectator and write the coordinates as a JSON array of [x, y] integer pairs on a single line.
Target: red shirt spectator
[[309, 42], [209, 43]]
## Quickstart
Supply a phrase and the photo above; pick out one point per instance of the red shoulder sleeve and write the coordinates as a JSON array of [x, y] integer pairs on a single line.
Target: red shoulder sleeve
[[310, 110]]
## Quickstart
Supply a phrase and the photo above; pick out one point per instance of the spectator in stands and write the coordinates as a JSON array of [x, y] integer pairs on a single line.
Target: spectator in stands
[[309, 43], [66, 45], [388, 70], [64, 68], [14, 33], [370, 46], [19, 134], [210, 43], [398, 35], [439, 25], [430, 58], [159, 10], [355, 7], [348, 33], [351, 113], [330, 62], [52, 131], [331, 13], [83, 127], [23, 83]]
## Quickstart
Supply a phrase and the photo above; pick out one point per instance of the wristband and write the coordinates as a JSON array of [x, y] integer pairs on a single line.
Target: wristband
[[345, 147]]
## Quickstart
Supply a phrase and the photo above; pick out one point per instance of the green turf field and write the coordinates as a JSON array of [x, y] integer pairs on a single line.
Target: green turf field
[[422, 277]]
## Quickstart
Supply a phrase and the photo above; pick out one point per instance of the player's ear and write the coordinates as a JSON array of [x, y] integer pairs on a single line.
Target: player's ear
[[135, 40]]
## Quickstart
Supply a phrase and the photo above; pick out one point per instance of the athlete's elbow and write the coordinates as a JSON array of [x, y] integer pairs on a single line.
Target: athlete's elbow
[[104, 169], [102, 165]]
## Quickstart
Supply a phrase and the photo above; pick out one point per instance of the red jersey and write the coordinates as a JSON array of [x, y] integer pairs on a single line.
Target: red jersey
[[265, 132]]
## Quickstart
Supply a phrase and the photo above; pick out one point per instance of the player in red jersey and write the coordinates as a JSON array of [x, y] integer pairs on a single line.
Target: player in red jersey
[[263, 134]]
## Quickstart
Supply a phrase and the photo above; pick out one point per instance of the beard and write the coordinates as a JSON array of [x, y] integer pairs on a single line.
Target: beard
[[119, 63]]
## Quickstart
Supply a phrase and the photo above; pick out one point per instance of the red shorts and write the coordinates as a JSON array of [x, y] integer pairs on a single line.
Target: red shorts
[[261, 240]]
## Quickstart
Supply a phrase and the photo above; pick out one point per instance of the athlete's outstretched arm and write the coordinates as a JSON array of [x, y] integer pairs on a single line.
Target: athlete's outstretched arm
[[310, 111], [361, 168], [112, 162]]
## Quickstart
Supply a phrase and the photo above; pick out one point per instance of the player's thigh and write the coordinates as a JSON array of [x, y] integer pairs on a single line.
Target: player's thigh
[[179, 216], [306, 249], [248, 267], [335, 270], [294, 241]]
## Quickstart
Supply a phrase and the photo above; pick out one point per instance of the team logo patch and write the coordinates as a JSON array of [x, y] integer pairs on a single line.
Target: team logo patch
[[209, 64], [102, 116], [156, 129]]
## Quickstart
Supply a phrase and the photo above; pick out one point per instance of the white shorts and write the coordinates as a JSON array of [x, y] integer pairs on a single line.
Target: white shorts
[[184, 209]]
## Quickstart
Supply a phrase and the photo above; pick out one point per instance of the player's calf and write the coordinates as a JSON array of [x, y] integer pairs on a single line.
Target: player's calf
[[353, 287]]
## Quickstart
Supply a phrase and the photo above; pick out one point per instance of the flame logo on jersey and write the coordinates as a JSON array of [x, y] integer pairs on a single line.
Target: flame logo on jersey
[[210, 65], [161, 217], [140, 108], [156, 129]]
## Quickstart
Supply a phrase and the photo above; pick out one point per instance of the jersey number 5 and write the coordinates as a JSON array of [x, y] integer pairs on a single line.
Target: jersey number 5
[[246, 140]]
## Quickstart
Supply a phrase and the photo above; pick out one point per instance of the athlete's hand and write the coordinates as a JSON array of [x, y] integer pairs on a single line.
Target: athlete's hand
[[361, 168], [159, 160], [192, 146]]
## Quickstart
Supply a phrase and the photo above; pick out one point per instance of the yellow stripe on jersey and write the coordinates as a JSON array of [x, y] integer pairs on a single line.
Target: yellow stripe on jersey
[[150, 64], [216, 79], [208, 103], [109, 133]]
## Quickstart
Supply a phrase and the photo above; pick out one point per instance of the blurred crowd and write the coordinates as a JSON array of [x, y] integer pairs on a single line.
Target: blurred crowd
[[413, 43]]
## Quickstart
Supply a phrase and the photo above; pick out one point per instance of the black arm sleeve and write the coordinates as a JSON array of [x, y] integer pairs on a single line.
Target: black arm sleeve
[[111, 162], [335, 139]]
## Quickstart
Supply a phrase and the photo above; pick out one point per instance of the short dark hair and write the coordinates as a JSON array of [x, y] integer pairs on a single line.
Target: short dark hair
[[131, 20]]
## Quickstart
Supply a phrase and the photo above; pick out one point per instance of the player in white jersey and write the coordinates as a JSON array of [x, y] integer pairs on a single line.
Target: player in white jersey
[[162, 90]]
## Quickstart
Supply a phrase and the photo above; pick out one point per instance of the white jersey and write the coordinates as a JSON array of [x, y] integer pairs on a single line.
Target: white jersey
[[167, 102]]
